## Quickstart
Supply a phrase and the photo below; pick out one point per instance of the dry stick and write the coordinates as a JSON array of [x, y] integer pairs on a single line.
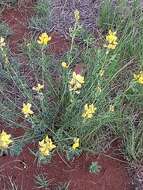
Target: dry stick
[[12, 162], [113, 158], [63, 160], [130, 62]]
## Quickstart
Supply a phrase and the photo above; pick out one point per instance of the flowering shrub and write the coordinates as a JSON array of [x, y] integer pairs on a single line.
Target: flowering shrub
[[71, 110]]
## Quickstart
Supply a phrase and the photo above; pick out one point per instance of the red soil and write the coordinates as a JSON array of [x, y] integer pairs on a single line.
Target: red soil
[[17, 19], [23, 168], [58, 45]]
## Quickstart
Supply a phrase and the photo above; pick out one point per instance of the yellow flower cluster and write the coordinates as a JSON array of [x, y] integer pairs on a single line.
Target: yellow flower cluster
[[76, 15], [4, 54], [46, 146], [26, 110], [5, 140], [111, 108], [76, 82], [2, 42], [76, 143], [111, 39], [89, 110], [139, 77], [38, 88], [44, 39]]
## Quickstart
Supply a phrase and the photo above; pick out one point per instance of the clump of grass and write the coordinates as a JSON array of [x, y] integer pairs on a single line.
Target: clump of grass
[[126, 19], [41, 21], [94, 168], [82, 94], [133, 144], [42, 181]]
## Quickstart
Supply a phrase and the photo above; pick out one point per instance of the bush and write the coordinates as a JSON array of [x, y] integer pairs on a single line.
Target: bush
[[83, 99]]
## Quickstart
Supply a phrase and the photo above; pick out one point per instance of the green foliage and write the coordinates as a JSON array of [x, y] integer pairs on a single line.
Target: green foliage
[[16, 148], [126, 20], [108, 83], [133, 144], [5, 31], [41, 21], [4, 3], [42, 181], [94, 168], [42, 7], [71, 154]]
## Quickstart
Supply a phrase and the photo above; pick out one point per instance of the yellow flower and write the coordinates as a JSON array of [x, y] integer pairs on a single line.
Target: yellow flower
[[76, 15], [111, 46], [139, 77], [26, 110], [78, 78], [5, 140], [76, 82], [38, 88], [65, 65], [45, 146], [111, 108], [89, 110], [111, 39], [76, 143], [2, 42], [44, 39]]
